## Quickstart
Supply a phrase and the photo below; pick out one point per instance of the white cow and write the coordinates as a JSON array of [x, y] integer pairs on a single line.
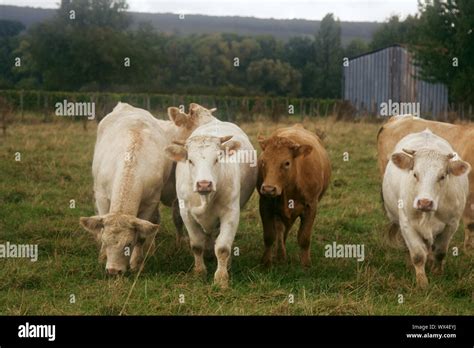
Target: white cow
[[215, 177], [130, 173], [424, 190]]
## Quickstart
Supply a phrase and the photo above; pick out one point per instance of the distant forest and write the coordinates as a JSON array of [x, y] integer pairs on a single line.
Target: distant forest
[[97, 45], [201, 24]]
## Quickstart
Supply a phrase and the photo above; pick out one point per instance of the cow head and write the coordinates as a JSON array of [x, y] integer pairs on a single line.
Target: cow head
[[202, 157], [277, 163], [187, 123], [118, 235], [430, 172]]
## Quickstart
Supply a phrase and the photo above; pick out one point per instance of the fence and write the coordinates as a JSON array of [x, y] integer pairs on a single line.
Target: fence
[[229, 108]]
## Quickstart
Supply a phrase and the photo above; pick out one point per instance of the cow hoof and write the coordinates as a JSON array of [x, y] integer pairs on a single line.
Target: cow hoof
[[306, 264], [221, 279], [200, 272], [266, 261], [422, 282], [182, 242], [305, 260], [437, 269]]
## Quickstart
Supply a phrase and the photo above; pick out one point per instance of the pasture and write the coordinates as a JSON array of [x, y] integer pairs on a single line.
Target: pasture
[[55, 167]]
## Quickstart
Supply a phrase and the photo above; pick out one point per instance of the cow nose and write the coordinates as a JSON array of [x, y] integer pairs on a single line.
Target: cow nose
[[204, 186], [113, 271], [268, 190], [424, 204]]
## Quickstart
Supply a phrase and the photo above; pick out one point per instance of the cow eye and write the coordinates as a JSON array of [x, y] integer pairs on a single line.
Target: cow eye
[[217, 160], [287, 164], [191, 162], [415, 176], [442, 177]]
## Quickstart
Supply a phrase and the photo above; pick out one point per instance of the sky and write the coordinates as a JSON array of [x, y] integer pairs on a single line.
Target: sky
[[345, 10]]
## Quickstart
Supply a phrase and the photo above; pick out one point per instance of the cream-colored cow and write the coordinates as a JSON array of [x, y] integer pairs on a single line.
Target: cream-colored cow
[[131, 175]]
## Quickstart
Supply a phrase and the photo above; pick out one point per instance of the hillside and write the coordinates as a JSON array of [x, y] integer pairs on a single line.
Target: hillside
[[168, 22]]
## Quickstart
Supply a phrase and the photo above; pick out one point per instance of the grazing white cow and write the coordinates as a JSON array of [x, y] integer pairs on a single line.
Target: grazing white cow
[[425, 188], [130, 172], [215, 177]]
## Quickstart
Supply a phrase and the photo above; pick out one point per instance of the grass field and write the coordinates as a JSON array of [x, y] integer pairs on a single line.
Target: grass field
[[55, 167]]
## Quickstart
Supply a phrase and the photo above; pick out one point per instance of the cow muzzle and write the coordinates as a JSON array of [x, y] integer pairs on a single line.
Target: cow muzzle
[[268, 190], [204, 187], [114, 271], [425, 204]]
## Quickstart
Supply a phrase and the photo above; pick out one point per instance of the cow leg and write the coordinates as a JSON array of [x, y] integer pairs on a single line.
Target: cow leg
[[223, 246], [468, 220], [282, 230], [469, 236], [102, 207], [304, 235], [269, 231], [418, 253], [151, 214], [197, 241], [440, 247], [181, 237]]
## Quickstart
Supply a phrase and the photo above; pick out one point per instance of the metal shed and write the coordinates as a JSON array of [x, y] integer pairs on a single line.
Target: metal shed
[[387, 74]]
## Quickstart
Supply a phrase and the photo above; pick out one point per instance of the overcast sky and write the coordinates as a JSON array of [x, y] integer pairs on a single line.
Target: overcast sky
[[346, 10]]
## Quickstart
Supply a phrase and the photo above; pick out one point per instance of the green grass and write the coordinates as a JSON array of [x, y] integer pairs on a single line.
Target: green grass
[[55, 167]]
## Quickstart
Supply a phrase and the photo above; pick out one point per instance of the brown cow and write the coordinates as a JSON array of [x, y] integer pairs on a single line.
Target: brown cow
[[461, 138], [293, 174]]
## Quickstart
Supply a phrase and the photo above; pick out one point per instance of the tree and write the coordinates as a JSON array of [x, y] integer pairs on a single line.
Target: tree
[[273, 77], [355, 48], [87, 49], [9, 31], [444, 48], [394, 32], [328, 65]]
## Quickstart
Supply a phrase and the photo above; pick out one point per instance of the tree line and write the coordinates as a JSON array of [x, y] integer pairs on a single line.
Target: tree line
[[90, 46]]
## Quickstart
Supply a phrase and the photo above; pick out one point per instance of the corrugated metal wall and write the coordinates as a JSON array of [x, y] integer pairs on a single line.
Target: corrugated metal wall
[[376, 77]]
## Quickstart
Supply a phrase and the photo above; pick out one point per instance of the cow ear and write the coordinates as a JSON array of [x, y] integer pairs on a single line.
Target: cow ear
[[177, 117], [93, 224], [302, 150], [458, 167], [145, 228], [403, 161], [231, 146], [176, 153], [194, 110], [261, 140]]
